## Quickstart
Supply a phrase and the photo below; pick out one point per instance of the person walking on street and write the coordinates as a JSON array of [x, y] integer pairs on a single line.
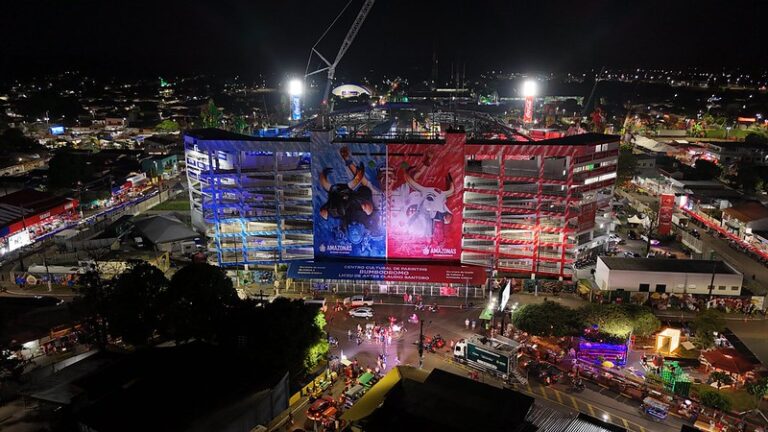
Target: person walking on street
[[466, 323]]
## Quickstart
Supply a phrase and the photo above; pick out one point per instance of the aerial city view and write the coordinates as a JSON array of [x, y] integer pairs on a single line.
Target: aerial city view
[[366, 216]]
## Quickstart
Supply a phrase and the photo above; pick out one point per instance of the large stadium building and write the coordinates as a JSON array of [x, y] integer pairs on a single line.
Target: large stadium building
[[371, 208]]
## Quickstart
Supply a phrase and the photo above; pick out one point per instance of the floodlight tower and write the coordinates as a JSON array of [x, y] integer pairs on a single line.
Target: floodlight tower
[[529, 92], [295, 90]]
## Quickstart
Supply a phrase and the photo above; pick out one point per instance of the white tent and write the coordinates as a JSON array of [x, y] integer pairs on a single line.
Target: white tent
[[637, 221]]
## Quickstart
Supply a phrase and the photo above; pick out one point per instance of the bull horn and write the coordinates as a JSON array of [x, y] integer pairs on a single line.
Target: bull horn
[[324, 180], [358, 177], [449, 182]]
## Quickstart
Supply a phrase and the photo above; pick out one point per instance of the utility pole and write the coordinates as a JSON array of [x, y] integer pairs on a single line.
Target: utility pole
[[421, 344], [712, 282]]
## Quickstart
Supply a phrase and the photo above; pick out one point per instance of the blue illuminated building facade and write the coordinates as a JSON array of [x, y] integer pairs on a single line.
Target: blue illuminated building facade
[[251, 196]]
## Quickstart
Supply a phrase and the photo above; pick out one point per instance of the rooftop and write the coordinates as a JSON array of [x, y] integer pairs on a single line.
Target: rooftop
[[25, 203], [748, 211], [667, 265], [429, 405]]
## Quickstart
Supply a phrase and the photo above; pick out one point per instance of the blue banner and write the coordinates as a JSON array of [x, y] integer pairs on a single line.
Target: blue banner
[[349, 206]]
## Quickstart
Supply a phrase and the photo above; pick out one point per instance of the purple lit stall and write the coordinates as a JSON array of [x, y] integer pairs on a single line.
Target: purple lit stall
[[600, 348]]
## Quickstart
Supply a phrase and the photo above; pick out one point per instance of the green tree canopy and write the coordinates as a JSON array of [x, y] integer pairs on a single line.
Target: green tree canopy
[[706, 323], [610, 318], [66, 169], [714, 399], [548, 319], [720, 378], [706, 170], [168, 126], [627, 164], [644, 321], [136, 303], [199, 297], [210, 116]]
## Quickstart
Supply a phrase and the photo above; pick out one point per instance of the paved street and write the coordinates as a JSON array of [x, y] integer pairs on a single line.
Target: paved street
[[449, 323], [742, 262]]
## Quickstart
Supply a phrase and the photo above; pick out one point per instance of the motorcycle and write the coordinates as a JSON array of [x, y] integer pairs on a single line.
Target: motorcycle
[[418, 306], [413, 319], [433, 308], [332, 341]]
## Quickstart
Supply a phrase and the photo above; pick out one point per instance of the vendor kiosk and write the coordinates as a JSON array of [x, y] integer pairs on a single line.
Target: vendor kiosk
[[655, 408]]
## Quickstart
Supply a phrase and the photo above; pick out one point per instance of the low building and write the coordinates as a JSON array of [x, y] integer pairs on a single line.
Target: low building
[[28, 214], [667, 276], [167, 233], [745, 218], [192, 387], [412, 399], [164, 166]]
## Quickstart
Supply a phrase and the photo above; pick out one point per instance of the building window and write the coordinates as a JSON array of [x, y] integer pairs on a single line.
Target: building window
[[721, 288], [734, 288], [645, 287], [661, 288]]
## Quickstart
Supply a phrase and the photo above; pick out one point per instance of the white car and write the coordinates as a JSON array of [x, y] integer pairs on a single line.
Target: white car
[[357, 301], [361, 312]]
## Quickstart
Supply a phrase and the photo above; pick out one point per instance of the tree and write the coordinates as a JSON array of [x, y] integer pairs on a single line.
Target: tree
[[747, 176], [644, 321], [13, 140], [611, 319], [706, 324], [168, 126], [91, 306], [720, 378], [199, 297], [66, 169], [210, 116], [548, 319], [627, 164], [240, 125], [758, 389], [136, 303], [706, 170], [715, 400]]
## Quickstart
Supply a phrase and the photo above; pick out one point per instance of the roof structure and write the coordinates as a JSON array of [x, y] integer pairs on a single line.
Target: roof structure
[[25, 203], [667, 265], [164, 229], [729, 360], [431, 406], [747, 212]]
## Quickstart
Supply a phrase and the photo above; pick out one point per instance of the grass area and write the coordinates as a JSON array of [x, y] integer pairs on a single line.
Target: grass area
[[740, 399], [733, 133], [173, 205]]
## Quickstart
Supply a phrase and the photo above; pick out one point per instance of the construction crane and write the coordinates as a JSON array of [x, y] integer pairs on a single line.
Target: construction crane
[[348, 39]]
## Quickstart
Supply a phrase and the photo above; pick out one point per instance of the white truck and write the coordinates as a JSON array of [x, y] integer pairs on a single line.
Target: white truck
[[497, 355]]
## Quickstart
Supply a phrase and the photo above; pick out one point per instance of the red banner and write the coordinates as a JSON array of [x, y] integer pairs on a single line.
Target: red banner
[[587, 216], [666, 208], [425, 184], [528, 111]]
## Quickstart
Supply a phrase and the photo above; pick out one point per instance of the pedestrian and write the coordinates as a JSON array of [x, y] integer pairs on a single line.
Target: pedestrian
[[466, 323], [290, 417], [451, 344], [473, 324]]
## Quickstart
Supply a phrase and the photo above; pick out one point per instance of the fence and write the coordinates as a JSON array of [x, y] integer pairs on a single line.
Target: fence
[[349, 287]]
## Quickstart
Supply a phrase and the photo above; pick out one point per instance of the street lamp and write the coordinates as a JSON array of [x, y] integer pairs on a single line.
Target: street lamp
[[529, 91], [295, 90]]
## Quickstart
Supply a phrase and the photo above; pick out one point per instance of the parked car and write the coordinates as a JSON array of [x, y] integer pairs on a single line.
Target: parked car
[[358, 300], [361, 312], [317, 410], [632, 235], [695, 234]]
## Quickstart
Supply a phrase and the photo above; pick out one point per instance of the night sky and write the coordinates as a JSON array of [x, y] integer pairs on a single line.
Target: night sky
[[274, 36]]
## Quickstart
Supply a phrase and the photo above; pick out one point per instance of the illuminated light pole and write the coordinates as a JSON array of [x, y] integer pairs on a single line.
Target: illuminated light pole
[[529, 92], [295, 90]]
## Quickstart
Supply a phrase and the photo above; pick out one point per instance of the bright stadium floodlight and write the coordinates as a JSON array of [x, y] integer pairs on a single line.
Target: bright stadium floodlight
[[295, 87], [529, 88]]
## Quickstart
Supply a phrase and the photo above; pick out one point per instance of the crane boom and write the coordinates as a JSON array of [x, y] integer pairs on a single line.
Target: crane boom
[[348, 39]]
